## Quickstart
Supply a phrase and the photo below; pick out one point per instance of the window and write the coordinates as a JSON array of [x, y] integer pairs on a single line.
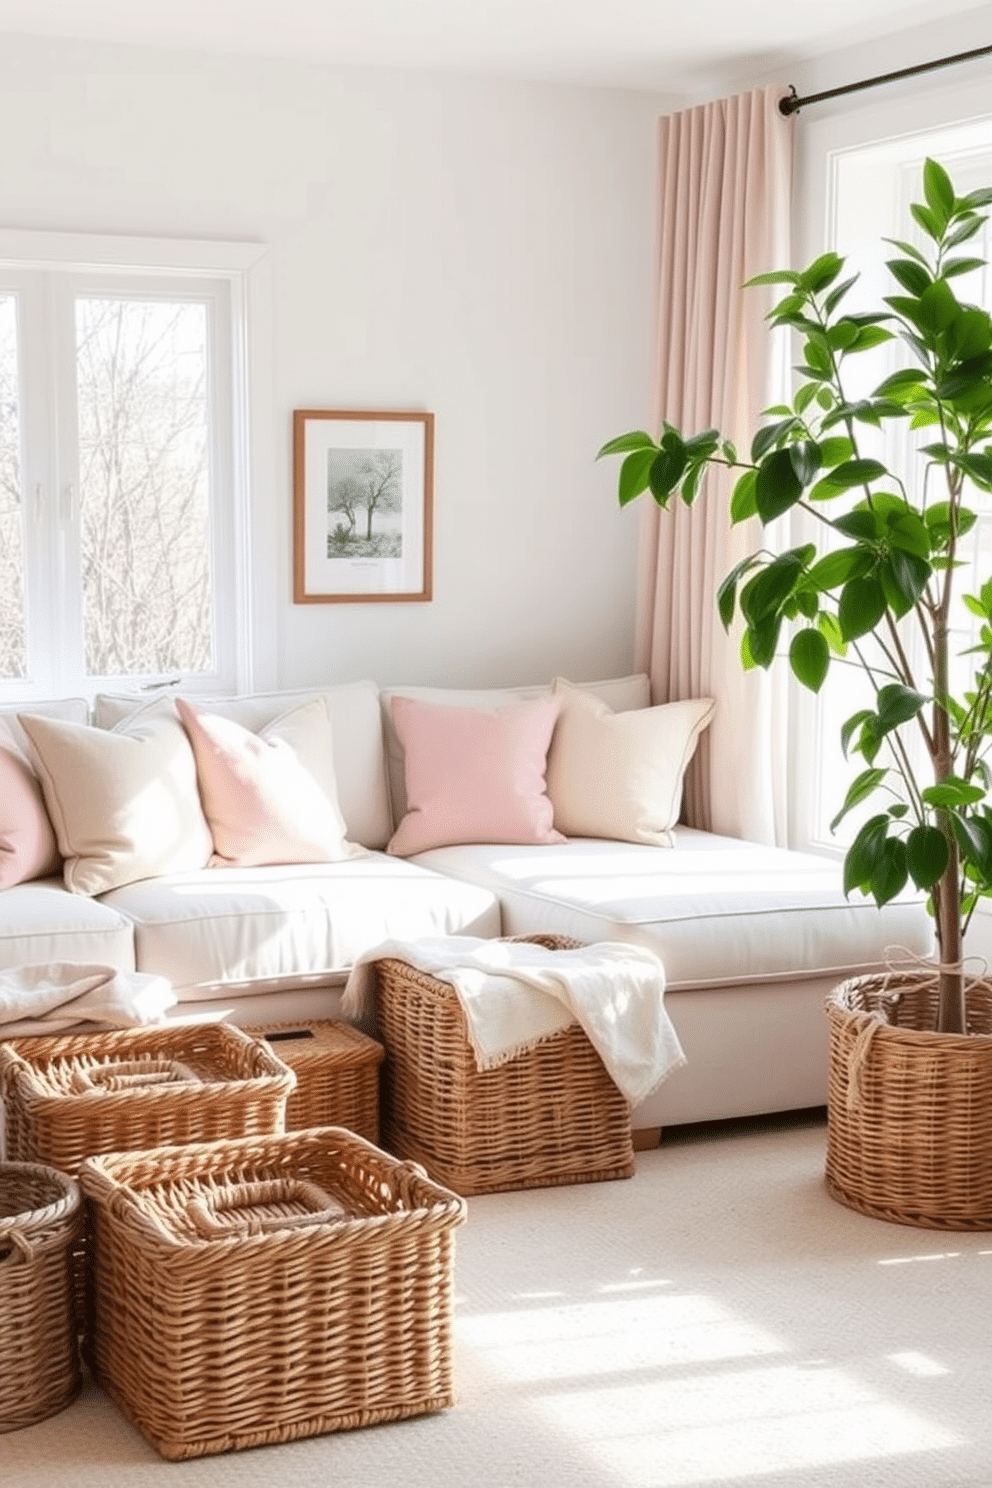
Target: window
[[870, 191], [123, 506]]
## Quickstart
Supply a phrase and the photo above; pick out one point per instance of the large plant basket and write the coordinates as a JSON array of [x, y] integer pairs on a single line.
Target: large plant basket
[[41, 1219], [909, 1132], [256, 1291]]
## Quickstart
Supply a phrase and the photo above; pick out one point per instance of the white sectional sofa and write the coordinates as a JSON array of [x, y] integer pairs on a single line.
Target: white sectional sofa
[[752, 938]]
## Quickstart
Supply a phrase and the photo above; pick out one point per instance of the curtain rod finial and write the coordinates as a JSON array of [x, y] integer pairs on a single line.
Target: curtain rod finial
[[790, 104]]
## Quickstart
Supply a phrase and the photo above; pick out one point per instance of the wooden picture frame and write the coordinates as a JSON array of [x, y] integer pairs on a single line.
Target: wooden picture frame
[[363, 497]]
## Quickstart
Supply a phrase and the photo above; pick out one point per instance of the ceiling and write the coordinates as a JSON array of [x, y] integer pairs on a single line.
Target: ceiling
[[663, 45]]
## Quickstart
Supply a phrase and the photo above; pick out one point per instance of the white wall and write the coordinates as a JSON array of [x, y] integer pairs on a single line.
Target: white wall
[[482, 250]]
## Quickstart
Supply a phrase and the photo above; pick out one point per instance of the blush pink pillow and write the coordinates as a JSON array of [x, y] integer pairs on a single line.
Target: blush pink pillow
[[27, 841], [474, 775], [269, 797]]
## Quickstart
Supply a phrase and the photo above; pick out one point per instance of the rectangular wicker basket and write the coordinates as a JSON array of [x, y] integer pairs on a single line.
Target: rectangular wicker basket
[[547, 1117], [255, 1291], [71, 1096], [337, 1074]]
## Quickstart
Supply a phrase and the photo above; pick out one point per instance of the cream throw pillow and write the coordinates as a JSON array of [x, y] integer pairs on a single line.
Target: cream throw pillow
[[123, 801], [620, 775]]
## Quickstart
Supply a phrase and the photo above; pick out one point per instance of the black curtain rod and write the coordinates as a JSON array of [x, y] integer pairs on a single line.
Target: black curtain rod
[[793, 103]]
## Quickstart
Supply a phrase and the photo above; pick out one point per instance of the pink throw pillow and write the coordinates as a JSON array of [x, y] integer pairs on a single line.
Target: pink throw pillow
[[474, 775], [27, 840], [260, 795]]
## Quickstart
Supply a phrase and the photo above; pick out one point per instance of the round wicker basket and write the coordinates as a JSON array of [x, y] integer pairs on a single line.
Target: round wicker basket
[[41, 1218], [909, 1131]]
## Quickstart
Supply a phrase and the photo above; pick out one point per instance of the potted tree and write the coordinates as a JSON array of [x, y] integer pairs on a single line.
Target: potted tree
[[910, 1097]]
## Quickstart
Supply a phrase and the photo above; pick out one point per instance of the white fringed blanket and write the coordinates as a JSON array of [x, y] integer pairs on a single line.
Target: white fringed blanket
[[53, 996], [514, 994]]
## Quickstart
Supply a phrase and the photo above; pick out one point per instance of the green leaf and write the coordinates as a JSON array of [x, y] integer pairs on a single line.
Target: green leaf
[[864, 856], [931, 224], [837, 567], [830, 630], [777, 487], [861, 606], [667, 467], [904, 577], [844, 477], [821, 272], [765, 594], [974, 838], [910, 274], [927, 855], [636, 439], [743, 502], [937, 307], [809, 656], [869, 337], [776, 276], [952, 792], [938, 190], [906, 382], [892, 873], [762, 639], [851, 727], [771, 435], [635, 473], [726, 595], [955, 266], [861, 788], [897, 705], [836, 450]]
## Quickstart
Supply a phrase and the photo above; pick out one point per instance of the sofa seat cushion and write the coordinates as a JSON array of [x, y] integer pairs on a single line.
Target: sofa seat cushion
[[42, 921], [717, 910], [224, 928]]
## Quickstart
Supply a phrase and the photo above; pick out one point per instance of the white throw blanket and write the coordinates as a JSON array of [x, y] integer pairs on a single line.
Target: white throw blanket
[[515, 994], [53, 996]]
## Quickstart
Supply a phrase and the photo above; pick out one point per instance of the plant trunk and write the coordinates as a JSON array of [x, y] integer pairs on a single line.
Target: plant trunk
[[951, 1011]]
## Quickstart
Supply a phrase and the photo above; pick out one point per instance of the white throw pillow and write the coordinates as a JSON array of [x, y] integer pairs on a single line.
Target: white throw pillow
[[619, 775], [123, 801]]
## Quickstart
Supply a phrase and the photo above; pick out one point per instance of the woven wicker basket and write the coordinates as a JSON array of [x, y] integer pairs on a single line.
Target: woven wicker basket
[[248, 1292], [41, 1219], [337, 1074], [74, 1095], [550, 1116], [909, 1133]]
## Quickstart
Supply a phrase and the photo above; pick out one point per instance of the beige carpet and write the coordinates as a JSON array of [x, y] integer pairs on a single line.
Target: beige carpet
[[716, 1320]]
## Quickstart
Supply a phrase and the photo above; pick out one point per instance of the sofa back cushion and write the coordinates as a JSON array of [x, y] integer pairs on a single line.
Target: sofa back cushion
[[620, 693], [359, 766], [123, 801]]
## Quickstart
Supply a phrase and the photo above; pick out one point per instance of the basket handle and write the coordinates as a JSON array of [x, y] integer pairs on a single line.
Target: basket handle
[[241, 1203], [131, 1074]]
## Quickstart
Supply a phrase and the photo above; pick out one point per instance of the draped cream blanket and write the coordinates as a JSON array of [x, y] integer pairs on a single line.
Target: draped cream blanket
[[514, 994], [53, 996]]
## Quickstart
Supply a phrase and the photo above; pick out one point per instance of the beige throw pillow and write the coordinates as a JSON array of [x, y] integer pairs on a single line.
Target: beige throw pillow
[[619, 775], [123, 801]]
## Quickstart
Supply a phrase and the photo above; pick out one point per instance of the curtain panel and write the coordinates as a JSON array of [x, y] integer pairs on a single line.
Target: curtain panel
[[724, 202]]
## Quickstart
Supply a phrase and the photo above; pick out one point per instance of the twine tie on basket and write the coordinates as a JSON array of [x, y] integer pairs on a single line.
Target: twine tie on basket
[[19, 1242]]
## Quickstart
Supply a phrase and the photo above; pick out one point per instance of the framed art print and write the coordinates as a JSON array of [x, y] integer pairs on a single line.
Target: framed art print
[[362, 506]]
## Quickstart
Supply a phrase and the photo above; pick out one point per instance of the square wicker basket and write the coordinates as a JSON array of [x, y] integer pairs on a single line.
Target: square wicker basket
[[550, 1116], [249, 1292], [74, 1095], [337, 1074]]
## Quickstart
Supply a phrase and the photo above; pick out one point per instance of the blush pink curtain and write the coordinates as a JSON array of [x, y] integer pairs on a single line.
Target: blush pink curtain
[[724, 209]]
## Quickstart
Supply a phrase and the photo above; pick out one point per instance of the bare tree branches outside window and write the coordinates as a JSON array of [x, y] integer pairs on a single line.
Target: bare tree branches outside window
[[142, 370], [13, 638]]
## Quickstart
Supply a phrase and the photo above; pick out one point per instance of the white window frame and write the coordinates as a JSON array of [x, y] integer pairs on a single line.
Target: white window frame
[[230, 277]]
